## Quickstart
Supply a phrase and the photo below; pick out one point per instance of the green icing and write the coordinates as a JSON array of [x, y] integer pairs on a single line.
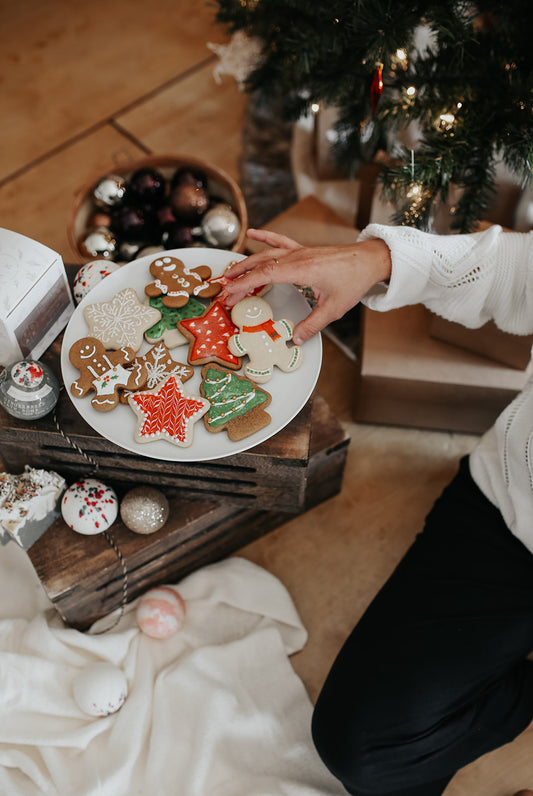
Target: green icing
[[171, 315], [229, 396]]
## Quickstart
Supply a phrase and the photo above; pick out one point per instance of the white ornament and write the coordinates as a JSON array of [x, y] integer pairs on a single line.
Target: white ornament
[[100, 689], [89, 506]]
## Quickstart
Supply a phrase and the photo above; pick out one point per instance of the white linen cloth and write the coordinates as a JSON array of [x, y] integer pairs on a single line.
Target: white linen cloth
[[215, 710]]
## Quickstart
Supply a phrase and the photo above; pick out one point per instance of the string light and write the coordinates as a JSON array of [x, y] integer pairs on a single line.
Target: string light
[[315, 107], [411, 91]]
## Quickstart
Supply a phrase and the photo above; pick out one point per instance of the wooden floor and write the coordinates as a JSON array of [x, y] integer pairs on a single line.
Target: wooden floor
[[88, 85]]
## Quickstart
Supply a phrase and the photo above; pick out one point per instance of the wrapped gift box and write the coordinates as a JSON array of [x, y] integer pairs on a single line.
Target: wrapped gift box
[[35, 300]]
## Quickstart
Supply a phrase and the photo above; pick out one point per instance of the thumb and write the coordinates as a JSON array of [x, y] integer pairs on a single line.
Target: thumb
[[313, 324]]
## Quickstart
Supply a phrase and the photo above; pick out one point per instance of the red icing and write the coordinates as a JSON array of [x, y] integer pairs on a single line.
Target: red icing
[[168, 411], [211, 331]]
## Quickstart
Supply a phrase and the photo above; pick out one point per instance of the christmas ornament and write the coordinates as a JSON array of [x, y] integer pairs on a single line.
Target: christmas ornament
[[128, 251], [376, 88], [161, 612], [28, 389], [89, 506], [90, 275], [178, 236], [189, 175], [100, 689], [220, 226], [109, 191], [165, 217], [147, 188], [189, 202], [99, 242], [135, 224], [144, 510]]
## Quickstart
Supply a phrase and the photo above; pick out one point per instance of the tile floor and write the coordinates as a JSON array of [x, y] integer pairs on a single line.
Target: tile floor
[[88, 85]]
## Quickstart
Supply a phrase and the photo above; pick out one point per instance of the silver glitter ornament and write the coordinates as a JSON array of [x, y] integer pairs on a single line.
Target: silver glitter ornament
[[109, 191], [221, 226], [144, 510], [99, 242]]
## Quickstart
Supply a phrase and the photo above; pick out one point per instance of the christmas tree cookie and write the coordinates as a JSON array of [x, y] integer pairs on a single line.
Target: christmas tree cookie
[[166, 330], [237, 405]]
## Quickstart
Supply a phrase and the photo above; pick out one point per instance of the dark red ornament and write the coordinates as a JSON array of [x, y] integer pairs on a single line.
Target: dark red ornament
[[136, 225], [177, 236], [189, 175], [376, 89], [146, 188], [189, 203]]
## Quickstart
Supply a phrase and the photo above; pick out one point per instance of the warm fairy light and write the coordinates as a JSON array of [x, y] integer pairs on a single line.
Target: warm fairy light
[[315, 107], [411, 91], [401, 54], [459, 104], [447, 118]]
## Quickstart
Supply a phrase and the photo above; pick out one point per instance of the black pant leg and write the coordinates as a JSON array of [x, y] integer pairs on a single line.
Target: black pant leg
[[434, 675]]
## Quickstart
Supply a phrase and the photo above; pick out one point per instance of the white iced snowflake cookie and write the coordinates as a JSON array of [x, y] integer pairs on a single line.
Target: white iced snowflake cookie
[[122, 321], [263, 339]]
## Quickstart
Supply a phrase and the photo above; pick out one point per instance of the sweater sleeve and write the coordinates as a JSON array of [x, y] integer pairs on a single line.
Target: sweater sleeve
[[470, 279]]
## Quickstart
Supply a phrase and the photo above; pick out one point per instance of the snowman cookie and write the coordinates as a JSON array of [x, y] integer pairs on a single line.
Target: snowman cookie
[[103, 372], [263, 339], [175, 283]]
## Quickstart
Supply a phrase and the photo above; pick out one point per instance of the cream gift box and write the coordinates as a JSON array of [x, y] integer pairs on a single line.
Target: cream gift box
[[35, 299]]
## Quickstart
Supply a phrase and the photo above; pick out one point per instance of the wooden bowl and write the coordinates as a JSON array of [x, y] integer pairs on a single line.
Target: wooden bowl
[[219, 184]]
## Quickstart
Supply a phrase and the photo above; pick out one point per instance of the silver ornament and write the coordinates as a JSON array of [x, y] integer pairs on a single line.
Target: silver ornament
[[221, 226], [99, 242], [144, 509], [109, 191], [28, 389]]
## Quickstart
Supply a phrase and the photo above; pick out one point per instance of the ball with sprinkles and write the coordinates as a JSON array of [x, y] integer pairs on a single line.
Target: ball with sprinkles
[[89, 506]]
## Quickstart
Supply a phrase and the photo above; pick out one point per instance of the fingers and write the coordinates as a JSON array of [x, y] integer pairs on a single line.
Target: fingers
[[317, 320], [272, 239]]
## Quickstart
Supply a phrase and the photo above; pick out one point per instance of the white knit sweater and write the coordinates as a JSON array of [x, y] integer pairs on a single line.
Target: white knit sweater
[[471, 279]]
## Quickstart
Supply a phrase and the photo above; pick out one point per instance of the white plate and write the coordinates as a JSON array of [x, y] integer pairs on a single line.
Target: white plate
[[290, 391]]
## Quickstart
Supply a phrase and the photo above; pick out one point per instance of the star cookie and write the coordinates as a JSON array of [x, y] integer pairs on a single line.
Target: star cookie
[[167, 412], [209, 335], [157, 364], [121, 321], [166, 330]]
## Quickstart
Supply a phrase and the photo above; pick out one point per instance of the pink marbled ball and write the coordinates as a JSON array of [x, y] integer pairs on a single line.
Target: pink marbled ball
[[161, 612]]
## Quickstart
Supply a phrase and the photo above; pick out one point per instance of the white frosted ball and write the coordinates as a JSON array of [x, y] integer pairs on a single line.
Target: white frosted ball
[[100, 689], [161, 612], [90, 275], [89, 506]]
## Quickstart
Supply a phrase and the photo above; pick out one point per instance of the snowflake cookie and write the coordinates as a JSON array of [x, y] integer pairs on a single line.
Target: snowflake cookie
[[122, 321], [157, 364]]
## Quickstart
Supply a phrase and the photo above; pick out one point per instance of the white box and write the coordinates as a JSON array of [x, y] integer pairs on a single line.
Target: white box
[[35, 299]]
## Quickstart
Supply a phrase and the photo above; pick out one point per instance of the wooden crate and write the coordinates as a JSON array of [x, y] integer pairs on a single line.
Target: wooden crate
[[83, 577], [272, 473]]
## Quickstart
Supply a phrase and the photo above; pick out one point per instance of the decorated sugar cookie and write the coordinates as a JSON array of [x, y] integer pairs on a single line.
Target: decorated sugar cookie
[[209, 335], [263, 339], [237, 404], [157, 364], [103, 372], [175, 283], [122, 321], [167, 412], [223, 281], [165, 329]]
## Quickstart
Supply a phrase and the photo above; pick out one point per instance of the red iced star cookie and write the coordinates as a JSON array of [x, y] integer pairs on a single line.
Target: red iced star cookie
[[167, 412], [208, 336]]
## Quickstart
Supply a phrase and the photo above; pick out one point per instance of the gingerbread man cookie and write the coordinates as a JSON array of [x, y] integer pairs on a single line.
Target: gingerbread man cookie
[[175, 283], [104, 372], [263, 339]]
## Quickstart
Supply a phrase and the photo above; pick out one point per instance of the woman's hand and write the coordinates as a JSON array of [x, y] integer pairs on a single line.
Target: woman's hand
[[338, 275]]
